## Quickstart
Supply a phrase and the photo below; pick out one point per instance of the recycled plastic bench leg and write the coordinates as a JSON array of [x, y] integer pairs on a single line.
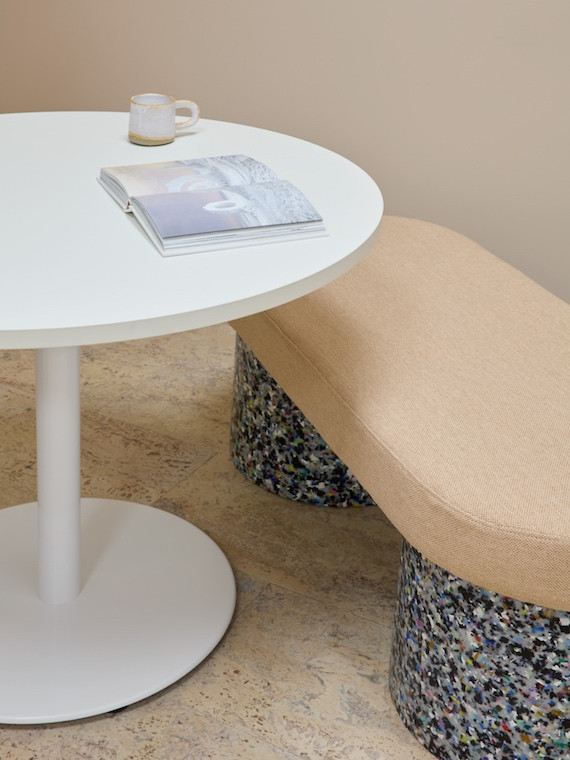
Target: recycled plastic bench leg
[[477, 675], [276, 447]]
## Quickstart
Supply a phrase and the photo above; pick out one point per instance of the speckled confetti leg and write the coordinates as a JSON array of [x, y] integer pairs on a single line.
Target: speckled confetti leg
[[276, 447], [477, 675]]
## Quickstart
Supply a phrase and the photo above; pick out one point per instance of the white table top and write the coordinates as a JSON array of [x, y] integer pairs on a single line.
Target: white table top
[[74, 269]]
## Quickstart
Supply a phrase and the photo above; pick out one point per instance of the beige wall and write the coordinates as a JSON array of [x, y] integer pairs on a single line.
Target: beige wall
[[460, 109]]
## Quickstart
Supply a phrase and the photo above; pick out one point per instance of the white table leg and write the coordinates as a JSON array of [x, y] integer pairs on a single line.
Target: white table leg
[[156, 593], [58, 467]]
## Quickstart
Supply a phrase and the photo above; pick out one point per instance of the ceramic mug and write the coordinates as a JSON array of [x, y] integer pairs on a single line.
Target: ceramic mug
[[153, 121]]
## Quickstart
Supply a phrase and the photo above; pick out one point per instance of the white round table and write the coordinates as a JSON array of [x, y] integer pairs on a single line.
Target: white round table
[[106, 602]]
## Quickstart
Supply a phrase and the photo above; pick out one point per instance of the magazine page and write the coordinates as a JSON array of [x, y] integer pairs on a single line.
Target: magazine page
[[182, 176], [226, 209]]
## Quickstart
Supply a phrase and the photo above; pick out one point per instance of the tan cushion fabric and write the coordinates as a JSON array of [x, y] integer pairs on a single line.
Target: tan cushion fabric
[[441, 376]]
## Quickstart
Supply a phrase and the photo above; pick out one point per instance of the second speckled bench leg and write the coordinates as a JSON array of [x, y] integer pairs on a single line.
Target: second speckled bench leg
[[476, 675]]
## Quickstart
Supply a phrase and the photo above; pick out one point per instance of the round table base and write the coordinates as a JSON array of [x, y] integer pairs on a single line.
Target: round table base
[[157, 596]]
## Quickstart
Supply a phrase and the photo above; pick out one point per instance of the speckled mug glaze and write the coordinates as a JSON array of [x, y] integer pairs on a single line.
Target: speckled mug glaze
[[152, 119]]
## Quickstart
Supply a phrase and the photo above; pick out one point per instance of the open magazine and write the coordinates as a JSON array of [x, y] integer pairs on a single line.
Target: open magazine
[[204, 204]]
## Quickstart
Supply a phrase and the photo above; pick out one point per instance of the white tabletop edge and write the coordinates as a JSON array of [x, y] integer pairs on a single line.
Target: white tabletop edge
[[84, 274]]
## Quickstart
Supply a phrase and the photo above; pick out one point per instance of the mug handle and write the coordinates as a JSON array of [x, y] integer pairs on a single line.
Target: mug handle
[[194, 111]]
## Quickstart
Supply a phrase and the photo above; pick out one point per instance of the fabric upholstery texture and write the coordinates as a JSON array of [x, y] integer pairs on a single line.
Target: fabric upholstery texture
[[441, 376]]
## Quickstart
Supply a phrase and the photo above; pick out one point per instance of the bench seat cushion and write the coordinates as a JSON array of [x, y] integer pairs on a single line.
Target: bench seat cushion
[[441, 376]]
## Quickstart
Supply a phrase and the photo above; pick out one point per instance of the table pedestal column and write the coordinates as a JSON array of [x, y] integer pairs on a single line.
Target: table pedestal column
[[59, 468]]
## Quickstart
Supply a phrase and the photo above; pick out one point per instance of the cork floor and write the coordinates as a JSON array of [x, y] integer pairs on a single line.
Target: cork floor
[[302, 671]]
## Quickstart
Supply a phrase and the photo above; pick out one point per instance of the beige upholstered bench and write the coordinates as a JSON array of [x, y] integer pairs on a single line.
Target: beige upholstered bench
[[440, 376]]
